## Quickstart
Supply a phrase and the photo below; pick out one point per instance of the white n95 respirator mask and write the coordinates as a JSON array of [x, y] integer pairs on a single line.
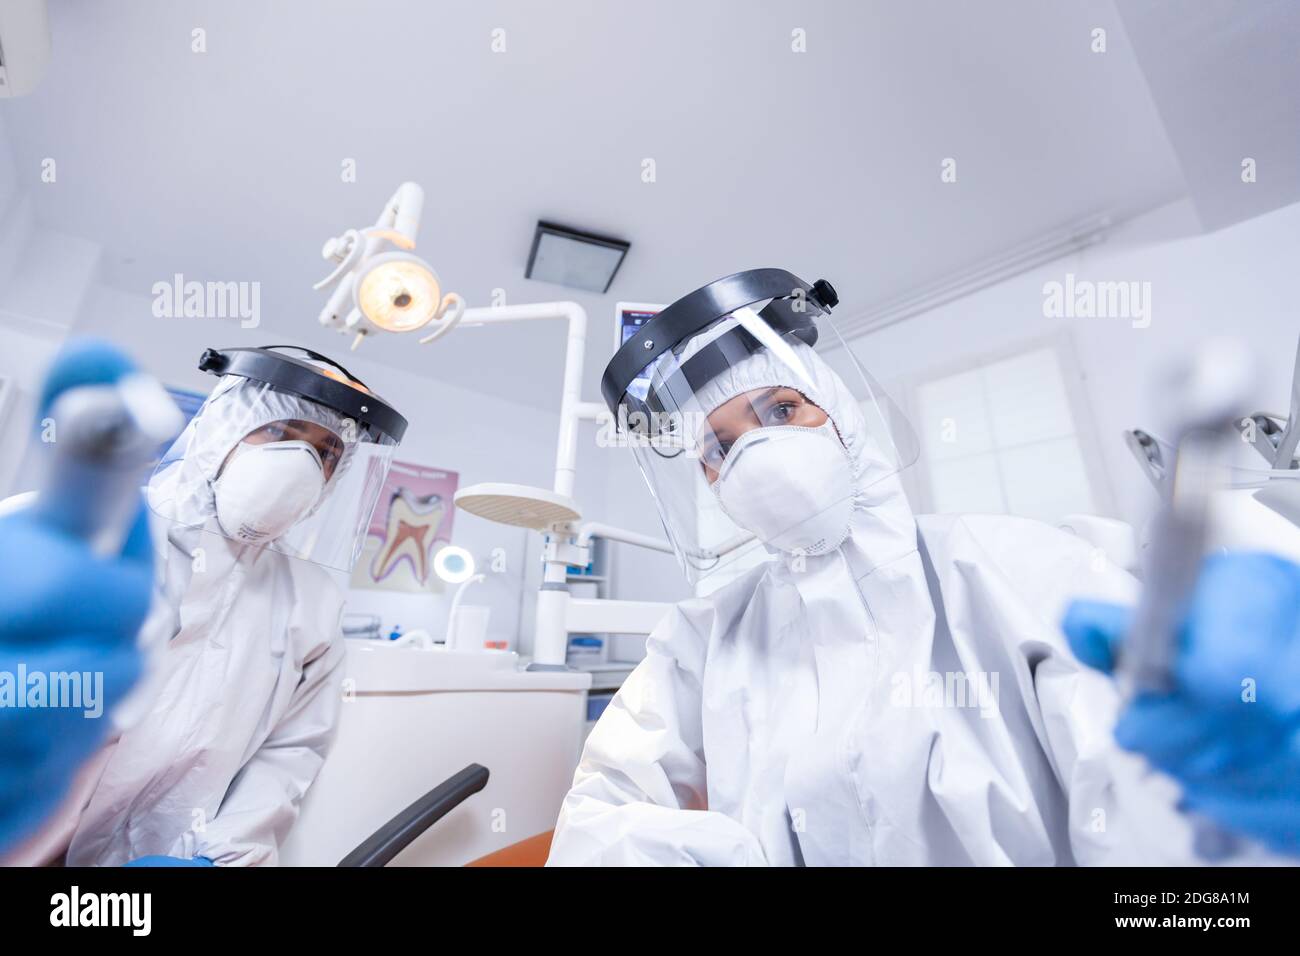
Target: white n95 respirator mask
[[789, 485], [265, 490]]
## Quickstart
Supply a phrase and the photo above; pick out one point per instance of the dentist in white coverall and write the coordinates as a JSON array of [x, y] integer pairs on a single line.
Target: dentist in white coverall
[[886, 689], [263, 493]]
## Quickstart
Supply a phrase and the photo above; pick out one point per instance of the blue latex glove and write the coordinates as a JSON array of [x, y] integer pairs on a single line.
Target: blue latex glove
[[62, 609], [170, 861], [1229, 732]]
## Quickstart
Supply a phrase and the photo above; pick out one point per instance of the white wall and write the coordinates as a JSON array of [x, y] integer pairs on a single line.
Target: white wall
[[43, 278], [15, 215], [1238, 281]]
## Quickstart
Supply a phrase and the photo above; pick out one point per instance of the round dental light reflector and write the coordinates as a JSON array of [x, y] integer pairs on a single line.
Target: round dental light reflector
[[398, 292], [519, 505], [454, 564]]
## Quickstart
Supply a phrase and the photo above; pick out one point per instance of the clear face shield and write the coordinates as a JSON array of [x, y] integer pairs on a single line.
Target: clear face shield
[[748, 437], [286, 454]]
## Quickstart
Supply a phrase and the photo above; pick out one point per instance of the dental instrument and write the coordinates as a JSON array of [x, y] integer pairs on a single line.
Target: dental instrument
[[104, 438], [1203, 396]]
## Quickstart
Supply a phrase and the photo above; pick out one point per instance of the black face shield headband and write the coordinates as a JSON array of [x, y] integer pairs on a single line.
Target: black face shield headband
[[299, 377], [791, 307]]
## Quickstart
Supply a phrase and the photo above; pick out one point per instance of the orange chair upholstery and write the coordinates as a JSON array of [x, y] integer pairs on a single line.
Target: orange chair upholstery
[[530, 852]]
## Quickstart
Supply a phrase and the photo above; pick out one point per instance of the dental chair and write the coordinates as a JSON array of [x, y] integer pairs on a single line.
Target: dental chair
[[530, 852], [399, 832]]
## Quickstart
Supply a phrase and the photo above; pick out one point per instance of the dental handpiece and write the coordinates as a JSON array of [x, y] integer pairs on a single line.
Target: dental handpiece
[[103, 439], [1179, 532], [1205, 396]]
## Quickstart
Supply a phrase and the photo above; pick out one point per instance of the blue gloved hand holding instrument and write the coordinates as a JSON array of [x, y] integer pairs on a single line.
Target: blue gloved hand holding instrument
[[76, 563], [1210, 660], [1229, 729]]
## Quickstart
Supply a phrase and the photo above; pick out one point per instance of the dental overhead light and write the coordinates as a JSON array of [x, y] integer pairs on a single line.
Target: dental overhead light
[[386, 291], [394, 291]]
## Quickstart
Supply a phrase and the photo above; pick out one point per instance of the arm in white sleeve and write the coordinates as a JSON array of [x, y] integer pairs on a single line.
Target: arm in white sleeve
[[262, 802], [1120, 811], [1013, 578], [639, 796]]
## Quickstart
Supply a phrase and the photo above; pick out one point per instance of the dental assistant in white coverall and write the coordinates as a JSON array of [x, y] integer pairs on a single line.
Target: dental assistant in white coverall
[[799, 714], [246, 694]]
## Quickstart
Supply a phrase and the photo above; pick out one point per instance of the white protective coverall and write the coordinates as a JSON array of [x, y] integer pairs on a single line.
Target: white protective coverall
[[907, 699], [246, 695]]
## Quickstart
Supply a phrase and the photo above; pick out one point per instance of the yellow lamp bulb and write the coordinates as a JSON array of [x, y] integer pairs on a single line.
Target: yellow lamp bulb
[[399, 295]]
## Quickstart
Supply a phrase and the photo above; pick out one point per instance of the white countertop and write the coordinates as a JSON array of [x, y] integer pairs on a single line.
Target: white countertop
[[380, 667]]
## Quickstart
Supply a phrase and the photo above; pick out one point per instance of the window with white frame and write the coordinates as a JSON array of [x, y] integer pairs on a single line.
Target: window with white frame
[[1007, 436]]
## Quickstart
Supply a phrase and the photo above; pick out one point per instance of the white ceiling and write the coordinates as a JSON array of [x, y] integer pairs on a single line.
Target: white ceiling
[[226, 165], [1226, 78]]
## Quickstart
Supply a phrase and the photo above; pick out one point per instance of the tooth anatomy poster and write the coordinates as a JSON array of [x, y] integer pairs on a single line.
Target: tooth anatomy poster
[[411, 522]]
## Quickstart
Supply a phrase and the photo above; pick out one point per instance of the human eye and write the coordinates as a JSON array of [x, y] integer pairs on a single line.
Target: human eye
[[714, 454], [781, 413]]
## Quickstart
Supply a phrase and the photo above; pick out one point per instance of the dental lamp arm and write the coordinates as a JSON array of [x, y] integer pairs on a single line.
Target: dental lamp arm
[[398, 223], [728, 546], [401, 219], [572, 409], [597, 529]]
